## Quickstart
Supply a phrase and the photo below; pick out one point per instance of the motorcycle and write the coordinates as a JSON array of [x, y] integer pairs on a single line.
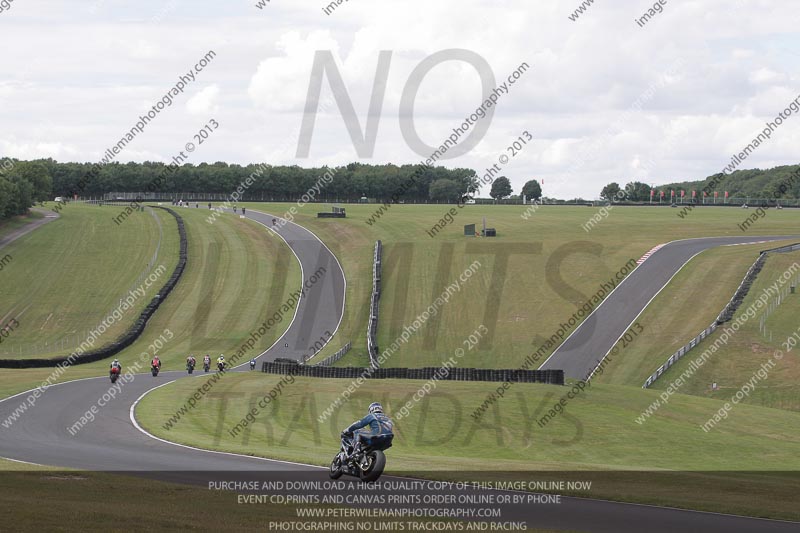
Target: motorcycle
[[154, 369], [252, 365], [190, 367], [221, 367], [114, 374], [206, 366], [367, 464]]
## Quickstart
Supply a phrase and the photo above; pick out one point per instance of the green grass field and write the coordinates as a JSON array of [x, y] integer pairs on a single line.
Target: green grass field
[[67, 276], [236, 274], [597, 433], [748, 349], [519, 296], [238, 271], [692, 300]]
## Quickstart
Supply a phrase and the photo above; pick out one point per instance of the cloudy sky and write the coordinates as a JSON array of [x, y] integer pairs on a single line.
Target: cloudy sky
[[604, 99]]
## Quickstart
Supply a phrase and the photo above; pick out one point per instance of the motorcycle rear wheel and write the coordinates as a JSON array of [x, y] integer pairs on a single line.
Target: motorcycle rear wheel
[[376, 462]]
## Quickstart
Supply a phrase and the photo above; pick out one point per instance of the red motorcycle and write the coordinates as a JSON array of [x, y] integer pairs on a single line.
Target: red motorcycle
[[114, 374]]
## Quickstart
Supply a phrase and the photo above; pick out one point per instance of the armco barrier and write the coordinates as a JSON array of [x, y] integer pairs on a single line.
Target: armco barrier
[[552, 377], [726, 314], [680, 353], [744, 287], [328, 361], [133, 333], [374, 306]]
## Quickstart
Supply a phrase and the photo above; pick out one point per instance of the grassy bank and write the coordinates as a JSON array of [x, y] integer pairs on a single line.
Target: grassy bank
[[236, 276], [552, 266], [67, 276], [598, 433], [749, 354]]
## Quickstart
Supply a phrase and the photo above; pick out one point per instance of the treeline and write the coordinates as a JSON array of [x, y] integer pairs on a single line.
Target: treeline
[[349, 182], [21, 185], [773, 183]]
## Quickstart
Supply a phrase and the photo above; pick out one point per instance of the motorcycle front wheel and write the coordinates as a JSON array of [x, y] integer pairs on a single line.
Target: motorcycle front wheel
[[336, 470], [373, 467]]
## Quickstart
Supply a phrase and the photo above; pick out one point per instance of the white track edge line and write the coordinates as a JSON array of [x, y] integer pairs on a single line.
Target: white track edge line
[[643, 310], [302, 281], [344, 277], [776, 238], [145, 432]]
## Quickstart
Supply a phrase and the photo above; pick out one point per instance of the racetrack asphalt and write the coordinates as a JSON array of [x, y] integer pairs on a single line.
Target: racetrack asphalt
[[590, 342], [114, 441], [321, 307]]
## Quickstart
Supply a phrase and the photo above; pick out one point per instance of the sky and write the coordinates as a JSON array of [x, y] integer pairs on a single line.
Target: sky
[[602, 97]]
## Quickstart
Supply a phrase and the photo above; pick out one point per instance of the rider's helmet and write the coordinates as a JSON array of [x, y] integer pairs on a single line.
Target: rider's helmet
[[116, 362], [221, 356], [375, 407]]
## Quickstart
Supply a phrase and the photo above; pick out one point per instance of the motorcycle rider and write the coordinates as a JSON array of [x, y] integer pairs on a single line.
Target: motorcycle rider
[[156, 362], [115, 364], [207, 360], [221, 361], [252, 363], [380, 427], [191, 361]]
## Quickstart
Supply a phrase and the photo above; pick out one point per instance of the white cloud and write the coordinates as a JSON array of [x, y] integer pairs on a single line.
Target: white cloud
[[204, 102], [70, 98]]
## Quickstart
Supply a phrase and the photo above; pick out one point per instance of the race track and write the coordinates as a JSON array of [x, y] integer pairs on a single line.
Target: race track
[[115, 442], [590, 342], [321, 306]]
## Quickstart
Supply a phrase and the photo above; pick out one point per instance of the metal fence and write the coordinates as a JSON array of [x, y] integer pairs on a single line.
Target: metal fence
[[741, 291], [328, 361], [374, 306], [727, 312], [263, 196], [680, 353]]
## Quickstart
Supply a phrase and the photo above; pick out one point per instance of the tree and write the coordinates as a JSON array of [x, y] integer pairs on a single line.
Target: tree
[[39, 177], [636, 191], [532, 190], [21, 196], [610, 191], [6, 192], [473, 184], [501, 188], [444, 190]]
